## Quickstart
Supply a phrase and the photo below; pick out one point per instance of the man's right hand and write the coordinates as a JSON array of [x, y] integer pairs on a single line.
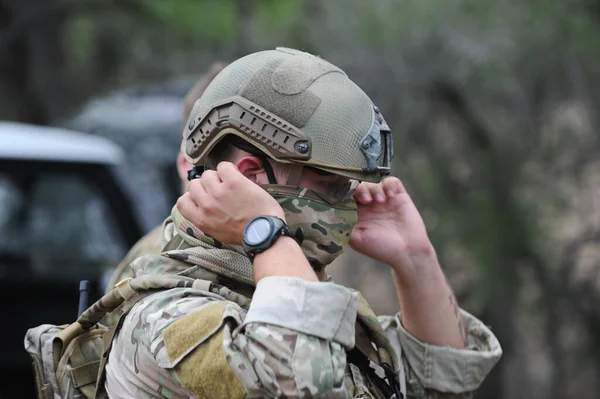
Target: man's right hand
[[222, 202]]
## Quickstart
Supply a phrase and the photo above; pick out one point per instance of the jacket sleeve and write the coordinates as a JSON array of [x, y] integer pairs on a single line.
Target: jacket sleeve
[[441, 371], [290, 343]]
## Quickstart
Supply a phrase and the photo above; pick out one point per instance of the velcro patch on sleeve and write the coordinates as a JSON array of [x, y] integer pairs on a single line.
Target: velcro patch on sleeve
[[182, 336], [194, 344]]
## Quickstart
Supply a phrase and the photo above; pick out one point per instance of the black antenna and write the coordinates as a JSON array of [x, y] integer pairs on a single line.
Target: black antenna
[[84, 293]]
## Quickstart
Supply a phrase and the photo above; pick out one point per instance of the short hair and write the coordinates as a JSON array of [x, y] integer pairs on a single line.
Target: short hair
[[223, 151]]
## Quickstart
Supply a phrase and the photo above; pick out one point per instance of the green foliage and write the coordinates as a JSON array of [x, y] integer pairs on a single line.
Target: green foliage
[[80, 39], [275, 15], [192, 20]]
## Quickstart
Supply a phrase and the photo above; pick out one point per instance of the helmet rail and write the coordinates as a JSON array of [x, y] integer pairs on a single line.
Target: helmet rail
[[270, 133]]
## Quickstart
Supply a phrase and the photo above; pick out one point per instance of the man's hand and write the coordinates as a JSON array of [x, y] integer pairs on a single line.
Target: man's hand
[[222, 202], [390, 228]]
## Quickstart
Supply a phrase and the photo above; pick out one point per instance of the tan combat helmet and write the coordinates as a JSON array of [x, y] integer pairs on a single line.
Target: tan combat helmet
[[296, 108]]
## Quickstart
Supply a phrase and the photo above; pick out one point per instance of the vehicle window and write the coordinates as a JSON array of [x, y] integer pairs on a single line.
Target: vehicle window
[[55, 225]]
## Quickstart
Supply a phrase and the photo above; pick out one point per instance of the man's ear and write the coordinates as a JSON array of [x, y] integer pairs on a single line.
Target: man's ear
[[252, 167], [182, 167]]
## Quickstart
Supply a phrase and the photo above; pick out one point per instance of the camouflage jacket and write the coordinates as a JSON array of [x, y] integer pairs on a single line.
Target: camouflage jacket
[[188, 342], [150, 244]]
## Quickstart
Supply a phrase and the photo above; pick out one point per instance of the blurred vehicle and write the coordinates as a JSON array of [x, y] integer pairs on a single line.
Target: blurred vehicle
[[145, 122], [64, 217]]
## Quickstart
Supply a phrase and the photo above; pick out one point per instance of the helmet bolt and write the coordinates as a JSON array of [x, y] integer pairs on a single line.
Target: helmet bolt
[[366, 145], [376, 109], [302, 147], [192, 124]]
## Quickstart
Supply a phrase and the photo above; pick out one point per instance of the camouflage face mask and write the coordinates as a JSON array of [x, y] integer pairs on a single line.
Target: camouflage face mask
[[322, 226]]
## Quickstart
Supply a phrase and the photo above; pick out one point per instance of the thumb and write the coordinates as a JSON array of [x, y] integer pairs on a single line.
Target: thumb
[[228, 171]]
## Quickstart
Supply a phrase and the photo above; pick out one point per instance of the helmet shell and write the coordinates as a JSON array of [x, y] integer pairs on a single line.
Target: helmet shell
[[296, 108]]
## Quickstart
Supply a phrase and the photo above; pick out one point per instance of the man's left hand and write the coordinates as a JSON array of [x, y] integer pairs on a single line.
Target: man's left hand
[[390, 228]]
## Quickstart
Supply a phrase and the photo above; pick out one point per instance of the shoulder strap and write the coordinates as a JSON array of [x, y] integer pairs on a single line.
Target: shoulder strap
[[107, 338], [387, 358], [129, 290], [359, 359]]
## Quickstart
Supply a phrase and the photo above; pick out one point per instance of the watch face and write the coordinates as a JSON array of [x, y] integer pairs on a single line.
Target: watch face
[[258, 231]]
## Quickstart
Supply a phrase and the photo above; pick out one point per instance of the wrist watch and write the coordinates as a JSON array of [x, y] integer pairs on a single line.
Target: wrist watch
[[262, 232]]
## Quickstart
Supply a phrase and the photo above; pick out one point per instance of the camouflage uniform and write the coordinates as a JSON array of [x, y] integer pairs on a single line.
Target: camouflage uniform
[[150, 244], [289, 341]]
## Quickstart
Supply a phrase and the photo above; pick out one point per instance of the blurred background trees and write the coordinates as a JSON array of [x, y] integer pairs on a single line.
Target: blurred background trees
[[494, 112]]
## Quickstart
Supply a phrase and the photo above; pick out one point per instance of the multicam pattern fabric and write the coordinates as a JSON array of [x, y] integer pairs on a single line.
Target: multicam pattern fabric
[[192, 246], [283, 343], [319, 221], [433, 372], [265, 360], [150, 244], [325, 228], [64, 364]]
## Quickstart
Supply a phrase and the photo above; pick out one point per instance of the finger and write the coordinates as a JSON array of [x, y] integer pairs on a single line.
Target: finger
[[393, 186], [210, 181], [197, 191], [363, 194], [188, 208], [228, 171], [376, 191]]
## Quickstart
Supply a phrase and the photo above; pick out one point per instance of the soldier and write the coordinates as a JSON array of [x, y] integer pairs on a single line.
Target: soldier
[[151, 242], [294, 155]]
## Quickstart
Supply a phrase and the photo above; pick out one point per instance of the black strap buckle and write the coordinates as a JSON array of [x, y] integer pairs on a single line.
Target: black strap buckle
[[393, 380], [195, 172], [388, 388]]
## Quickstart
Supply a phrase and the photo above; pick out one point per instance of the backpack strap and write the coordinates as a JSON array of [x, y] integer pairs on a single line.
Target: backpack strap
[[387, 358], [108, 338], [84, 372], [125, 291], [62, 340]]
